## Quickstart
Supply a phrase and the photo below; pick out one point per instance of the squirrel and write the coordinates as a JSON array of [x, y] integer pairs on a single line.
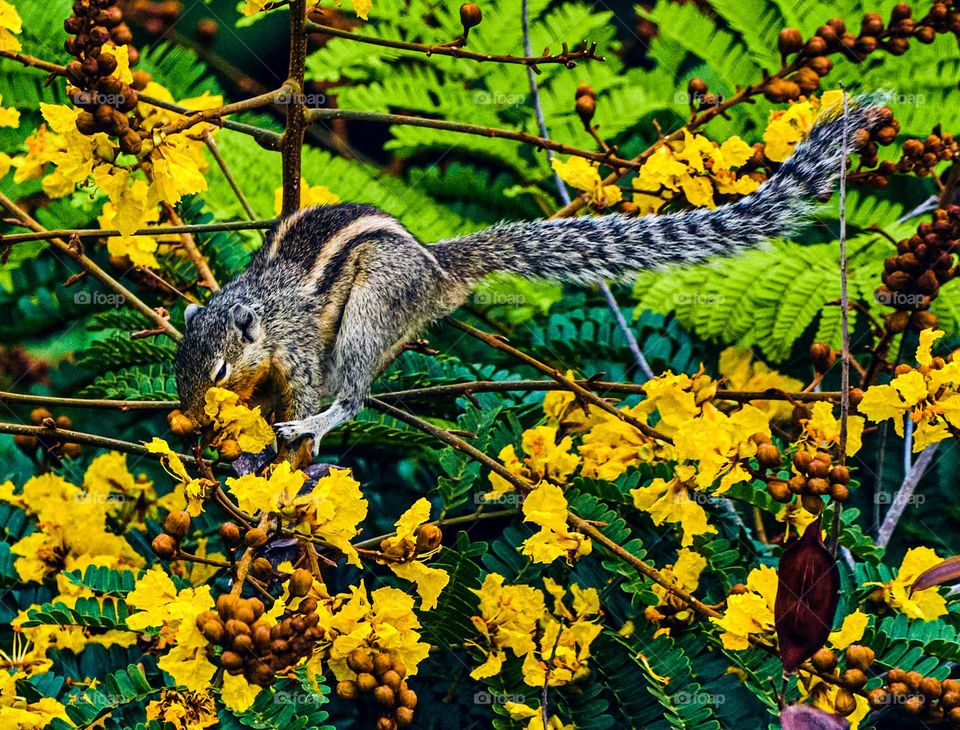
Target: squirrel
[[336, 290]]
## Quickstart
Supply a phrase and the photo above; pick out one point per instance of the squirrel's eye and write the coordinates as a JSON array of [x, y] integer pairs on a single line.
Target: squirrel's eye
[[222, 372]]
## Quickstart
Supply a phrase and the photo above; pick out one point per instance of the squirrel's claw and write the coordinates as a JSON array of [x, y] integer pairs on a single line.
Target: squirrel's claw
[[292, 431]]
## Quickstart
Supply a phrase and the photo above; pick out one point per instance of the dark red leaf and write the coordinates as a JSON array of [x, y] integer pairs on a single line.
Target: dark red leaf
[[808, 591], [946, 572], [805, 717]]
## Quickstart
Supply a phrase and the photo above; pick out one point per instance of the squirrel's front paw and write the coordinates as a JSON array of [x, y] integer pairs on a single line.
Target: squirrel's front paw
[[292, 431]]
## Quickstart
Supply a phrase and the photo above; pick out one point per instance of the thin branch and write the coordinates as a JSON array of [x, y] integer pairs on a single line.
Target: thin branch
[[88, 265], [77, 437], [582, 394], [104, 403], [442, 523], [905, 494], [603, 386], [228, 176], [46, 235], [587, 52], [314, 115], [215, 115], [291, 146], [524, 487], [189, 244], [696, 122]]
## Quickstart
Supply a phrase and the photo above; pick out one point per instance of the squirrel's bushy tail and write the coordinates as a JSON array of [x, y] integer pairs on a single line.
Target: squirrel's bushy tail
[[611, 246]]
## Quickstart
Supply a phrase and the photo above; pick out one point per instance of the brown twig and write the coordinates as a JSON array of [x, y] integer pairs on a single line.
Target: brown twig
[[587, 52], [581, 393], [46, 235], [524, 487], [228, 176], [88, 265], [215, 115], [314, 115], [189, 244], [120, 405], [77, 437]]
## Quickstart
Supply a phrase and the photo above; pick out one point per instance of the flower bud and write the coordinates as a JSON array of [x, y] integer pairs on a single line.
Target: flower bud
[[177, 524], [164, 546], [470, 16], [789, 41]]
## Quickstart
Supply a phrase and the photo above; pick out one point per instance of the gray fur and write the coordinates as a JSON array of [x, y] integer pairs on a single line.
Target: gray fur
[[335, 291]]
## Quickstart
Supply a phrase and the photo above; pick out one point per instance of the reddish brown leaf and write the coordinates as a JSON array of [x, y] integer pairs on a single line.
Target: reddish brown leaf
[[946, 572], [808, 591], [805, 717]]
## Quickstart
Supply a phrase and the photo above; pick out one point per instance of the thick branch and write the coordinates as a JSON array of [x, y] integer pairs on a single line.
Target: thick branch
[[291, 146]]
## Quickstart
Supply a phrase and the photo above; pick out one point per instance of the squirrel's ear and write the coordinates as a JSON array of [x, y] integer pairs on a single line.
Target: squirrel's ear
[[246, 321], [190, 312]]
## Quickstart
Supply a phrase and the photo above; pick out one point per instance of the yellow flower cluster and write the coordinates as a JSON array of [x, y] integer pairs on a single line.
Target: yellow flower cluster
[[515, 618], [929, 394], [236, 422], [787, 127], [429, 581]]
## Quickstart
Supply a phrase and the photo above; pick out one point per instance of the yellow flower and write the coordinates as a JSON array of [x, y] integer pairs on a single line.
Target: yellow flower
[[176, 169], [184, 710], [189, 493], [822, 429], [163, 607], [518, 711], [670, 502], [684, 574], [9, 117], [562, 407], [10, 25], [383, 622], [235, 421], [430, 581], [583, 175], [15, 712], [926, 605], [661, 169], [508, 620], [545, 459], [742, 372], [850, 631], [929, 395], [547, 507], [750, 613], [309, 195], [786, 128]]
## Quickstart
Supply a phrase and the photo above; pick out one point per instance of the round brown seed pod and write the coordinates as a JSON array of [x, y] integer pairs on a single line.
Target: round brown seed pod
[[859, 657], [845, 703], [230, 534], [824, 660], [428, 538], [367, 682], [779, 490], [853, 679], [391, 679], [404, 716], [164, 546], [359, 661], [177, 524], [301, 582], [768, 455], [470, 16], [384, 696], [811, 503], [789, 41], [931, 688], [408, 698], [839, 493], [231, 660], [347, 690], [382, 663], [255, 537], [878, 698]]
